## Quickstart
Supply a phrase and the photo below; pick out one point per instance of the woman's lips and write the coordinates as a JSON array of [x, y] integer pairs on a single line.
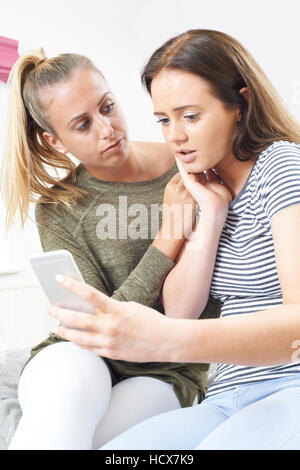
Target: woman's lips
[[114, 147], [186, 156]]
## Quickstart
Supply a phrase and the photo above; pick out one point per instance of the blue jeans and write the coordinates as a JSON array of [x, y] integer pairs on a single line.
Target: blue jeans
[[260, 416]]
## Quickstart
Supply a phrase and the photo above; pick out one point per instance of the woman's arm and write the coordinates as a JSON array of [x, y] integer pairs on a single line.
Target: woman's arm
[[133, 332], [129, 331], [186, 288], [178, 216]]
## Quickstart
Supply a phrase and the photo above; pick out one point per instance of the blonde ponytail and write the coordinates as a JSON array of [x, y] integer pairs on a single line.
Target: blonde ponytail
[[26, 156]]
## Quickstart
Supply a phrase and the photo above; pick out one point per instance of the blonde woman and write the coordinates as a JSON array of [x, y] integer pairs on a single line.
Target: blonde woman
[[71, 398], [218, 110]]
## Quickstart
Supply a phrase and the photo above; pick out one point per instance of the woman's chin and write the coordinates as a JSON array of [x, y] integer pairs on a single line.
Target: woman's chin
[[195, 167]]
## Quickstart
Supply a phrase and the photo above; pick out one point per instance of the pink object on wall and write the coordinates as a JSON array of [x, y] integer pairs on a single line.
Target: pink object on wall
[[8, 56]]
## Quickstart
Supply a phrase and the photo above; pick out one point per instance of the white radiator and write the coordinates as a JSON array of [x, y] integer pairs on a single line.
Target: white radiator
[[24, 320]]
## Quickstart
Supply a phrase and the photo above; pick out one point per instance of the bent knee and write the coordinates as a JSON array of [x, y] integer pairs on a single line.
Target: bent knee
[[62, 369]]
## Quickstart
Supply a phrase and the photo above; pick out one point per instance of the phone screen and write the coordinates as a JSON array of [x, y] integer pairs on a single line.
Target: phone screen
[[46, 267]]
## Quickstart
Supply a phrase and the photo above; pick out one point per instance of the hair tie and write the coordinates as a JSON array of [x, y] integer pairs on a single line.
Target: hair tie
[[39, 62]]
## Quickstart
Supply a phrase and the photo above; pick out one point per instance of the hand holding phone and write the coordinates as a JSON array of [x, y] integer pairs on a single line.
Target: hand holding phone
[[46, 267]]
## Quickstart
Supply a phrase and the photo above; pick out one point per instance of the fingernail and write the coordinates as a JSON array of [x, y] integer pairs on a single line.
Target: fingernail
[[59, 278], [54, 330]]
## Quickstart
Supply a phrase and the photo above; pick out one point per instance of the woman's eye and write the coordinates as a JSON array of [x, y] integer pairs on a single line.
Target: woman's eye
[[163, 121], [107, 109], [83, 126], [191, 116]]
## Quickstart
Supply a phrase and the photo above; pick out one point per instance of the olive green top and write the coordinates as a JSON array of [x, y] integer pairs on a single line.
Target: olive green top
[[109, 233]]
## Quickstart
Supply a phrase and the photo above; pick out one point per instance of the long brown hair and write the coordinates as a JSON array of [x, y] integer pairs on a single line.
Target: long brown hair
[[27, 157], [227, 66]]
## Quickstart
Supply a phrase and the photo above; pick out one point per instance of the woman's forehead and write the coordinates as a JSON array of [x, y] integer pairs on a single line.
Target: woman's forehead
[[74, 96], [175, 87]]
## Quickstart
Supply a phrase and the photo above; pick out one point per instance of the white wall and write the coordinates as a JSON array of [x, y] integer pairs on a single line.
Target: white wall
[[119, 35]]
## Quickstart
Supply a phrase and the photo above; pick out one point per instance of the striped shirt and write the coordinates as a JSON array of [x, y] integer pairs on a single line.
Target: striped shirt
[[245, 277]]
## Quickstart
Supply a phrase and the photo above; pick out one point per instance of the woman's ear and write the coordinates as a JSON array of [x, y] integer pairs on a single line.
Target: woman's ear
[[245, 93], [54, 142]]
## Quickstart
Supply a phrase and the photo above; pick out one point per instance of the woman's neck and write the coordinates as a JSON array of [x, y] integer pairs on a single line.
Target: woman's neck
[[144, 161], [234, 174], [129, 170]]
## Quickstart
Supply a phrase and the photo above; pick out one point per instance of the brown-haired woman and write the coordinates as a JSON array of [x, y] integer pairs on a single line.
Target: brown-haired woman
[[222, 115], [64, 105]]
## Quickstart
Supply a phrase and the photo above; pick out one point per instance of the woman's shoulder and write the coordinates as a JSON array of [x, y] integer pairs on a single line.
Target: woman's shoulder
[[46, 211], [277, 156], [279, 151], [158, 153], [161, 147], [278, 177]]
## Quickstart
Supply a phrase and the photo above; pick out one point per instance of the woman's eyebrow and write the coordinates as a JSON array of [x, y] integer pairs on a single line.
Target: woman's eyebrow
[[80, 116], [179, 108]]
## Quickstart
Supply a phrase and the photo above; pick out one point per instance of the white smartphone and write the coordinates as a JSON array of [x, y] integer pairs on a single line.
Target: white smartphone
[[46, 267]]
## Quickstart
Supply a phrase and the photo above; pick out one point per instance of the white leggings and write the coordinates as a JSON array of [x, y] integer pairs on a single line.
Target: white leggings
[[68, 402]]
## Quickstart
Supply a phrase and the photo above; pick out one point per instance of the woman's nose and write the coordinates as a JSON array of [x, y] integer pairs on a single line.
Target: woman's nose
[[176, 134], [105, 128]]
